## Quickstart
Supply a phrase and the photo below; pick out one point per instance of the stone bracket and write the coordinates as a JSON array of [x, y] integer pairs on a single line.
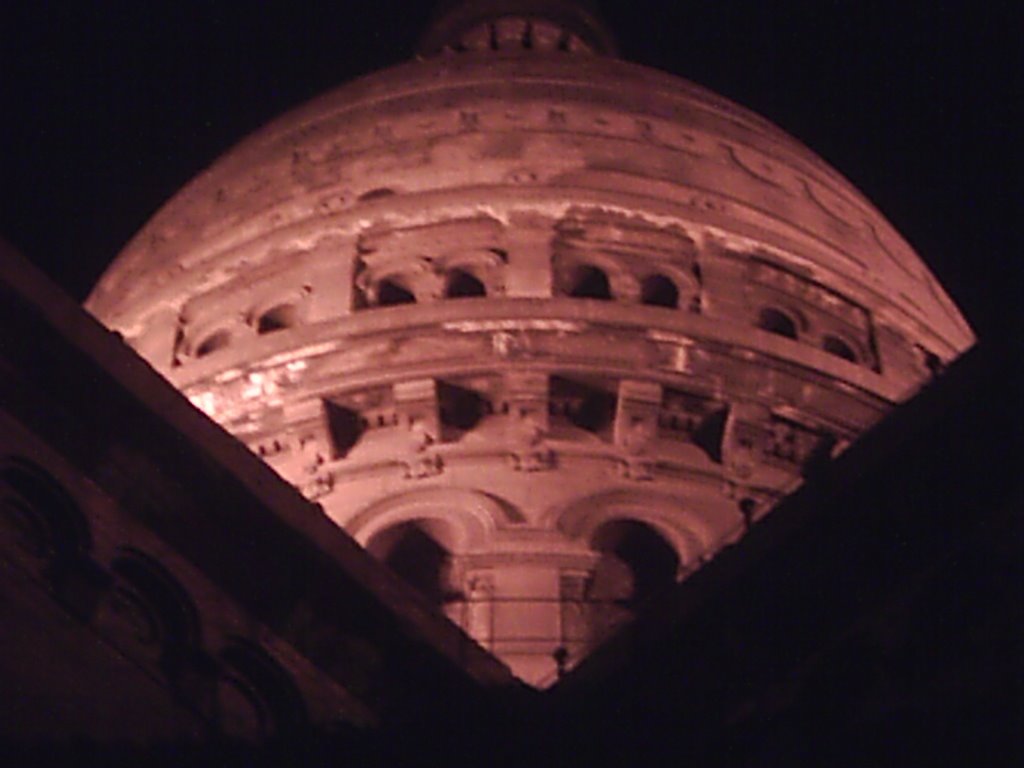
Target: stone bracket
[[636, 414], [526, 396], [417, 408]]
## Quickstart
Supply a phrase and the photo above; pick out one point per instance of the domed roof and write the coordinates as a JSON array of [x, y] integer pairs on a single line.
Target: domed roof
[[553, 316], [574, 24], [489, 130]]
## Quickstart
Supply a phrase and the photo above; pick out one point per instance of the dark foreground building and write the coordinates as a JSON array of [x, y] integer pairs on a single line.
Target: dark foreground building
[[590, 327]]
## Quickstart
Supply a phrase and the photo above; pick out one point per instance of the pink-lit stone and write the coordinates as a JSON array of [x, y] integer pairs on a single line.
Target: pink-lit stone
[[514, 297]]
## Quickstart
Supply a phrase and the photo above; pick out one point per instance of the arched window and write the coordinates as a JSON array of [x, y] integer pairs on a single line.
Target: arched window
[[590, 282], [277, 318], [161, 611], [212, 343], [462, 284], [778, 322], [258, 696], [45, 520], [390, 293], [659, 291], [634, 550], [416, 557], [836, 346]]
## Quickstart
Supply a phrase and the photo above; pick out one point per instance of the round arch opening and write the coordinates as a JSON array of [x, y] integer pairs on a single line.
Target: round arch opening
[[391, 293], [659, 291], [590, 282], [419, 553], [461, 284], [778, 322], [637, 563]]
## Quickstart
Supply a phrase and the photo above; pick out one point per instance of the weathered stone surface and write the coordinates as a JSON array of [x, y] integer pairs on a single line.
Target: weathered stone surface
[[142, 543], [503, 305]]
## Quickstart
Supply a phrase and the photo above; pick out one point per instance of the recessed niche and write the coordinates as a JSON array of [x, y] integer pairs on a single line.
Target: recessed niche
[[345, 426], [836, 346], [651, 561], [582, 405], [416, 557], [462, 284], [778, 322], [213, 343], [45, 520], [375, 194], [590, 282], [277, 318], [461, 409], [390, 293], [659, 291]]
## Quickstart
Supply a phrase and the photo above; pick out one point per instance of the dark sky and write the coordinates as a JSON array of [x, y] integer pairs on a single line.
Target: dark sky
[[106, 109]]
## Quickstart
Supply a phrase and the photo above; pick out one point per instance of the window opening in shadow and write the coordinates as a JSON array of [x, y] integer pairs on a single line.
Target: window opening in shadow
[[635, 548], [416, 557], [836, 346], [213, 343], [276, 319], [390, 293], [659, 291], [778, 322], [45, 520], [461, 408], [462, 284], [583, 405], [591, 283]]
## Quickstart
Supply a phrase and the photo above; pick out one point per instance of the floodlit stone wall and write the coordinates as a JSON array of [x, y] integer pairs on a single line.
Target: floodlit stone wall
[[543, 331]]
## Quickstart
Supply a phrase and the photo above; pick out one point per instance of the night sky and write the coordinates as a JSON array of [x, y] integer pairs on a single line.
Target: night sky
[[106, 109]]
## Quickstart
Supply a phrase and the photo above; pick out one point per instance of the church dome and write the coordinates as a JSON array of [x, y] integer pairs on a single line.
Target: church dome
[[588, 126], [530, 310]]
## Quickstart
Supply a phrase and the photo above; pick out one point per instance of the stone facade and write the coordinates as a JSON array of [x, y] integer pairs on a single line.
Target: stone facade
[[541, 329], [159, 583]]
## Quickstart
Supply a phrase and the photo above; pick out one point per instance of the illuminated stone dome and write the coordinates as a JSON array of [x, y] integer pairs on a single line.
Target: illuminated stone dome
[[542, 329]]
